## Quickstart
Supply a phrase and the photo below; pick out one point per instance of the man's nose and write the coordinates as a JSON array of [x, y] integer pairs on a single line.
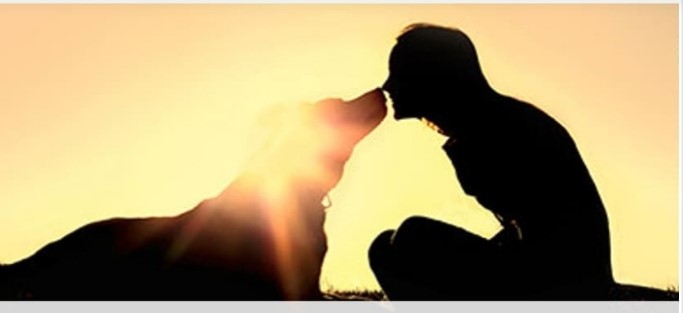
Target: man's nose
[[387, 85]]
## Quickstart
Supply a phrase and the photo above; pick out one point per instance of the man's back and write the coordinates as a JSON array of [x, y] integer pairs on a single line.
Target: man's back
[[524, 167]]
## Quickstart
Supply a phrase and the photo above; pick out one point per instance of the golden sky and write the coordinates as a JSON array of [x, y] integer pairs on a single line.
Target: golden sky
[[145, 110]]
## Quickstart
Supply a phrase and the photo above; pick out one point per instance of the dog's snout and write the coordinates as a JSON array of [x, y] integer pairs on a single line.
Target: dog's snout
[[376, 95]]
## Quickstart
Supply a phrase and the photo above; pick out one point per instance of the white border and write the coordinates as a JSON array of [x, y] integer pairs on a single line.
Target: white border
[[355, 2]]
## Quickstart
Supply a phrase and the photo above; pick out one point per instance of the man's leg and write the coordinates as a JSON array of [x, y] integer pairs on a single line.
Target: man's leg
[[395, 278], [429, 259]]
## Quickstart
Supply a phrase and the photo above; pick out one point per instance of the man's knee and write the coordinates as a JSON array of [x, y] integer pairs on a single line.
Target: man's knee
[[415, 230], [380, 250], [416, 224], [419, 233]]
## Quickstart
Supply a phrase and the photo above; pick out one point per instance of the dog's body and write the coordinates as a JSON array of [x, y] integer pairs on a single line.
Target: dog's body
[[261, 238]]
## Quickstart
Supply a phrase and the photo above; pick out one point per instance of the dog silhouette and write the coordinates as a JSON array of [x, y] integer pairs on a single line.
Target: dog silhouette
[[262, 238]]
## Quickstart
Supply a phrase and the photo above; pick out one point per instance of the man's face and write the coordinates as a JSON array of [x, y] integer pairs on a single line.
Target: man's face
[[405, 85]]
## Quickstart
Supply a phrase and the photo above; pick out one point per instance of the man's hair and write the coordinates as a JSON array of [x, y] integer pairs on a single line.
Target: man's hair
[[434, 37], [422, 25], [440, 48]]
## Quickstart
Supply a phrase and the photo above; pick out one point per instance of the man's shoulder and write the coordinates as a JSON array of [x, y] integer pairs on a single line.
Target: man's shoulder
[[514, 124], [522, 118]]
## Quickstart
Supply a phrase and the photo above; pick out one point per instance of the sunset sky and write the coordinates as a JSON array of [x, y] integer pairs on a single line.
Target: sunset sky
[[145, 110]]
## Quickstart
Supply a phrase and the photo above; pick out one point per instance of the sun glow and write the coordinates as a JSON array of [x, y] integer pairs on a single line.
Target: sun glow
[[288, 177], [144, 110]]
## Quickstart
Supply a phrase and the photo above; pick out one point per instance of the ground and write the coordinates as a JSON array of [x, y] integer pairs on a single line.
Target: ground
[[621, 293]]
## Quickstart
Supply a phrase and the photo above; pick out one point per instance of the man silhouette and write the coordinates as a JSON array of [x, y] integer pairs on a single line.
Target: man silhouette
[[518, 162]]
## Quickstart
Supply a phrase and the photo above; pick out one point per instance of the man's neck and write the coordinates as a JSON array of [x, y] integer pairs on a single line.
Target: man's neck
[[478, 118]]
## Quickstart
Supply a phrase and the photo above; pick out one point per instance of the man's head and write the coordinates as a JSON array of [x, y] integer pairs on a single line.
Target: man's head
[[433, 70]]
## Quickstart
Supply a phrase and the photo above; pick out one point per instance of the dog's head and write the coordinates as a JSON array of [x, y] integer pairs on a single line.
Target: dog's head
[[349, 121], [306, 147], [339, 126]]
